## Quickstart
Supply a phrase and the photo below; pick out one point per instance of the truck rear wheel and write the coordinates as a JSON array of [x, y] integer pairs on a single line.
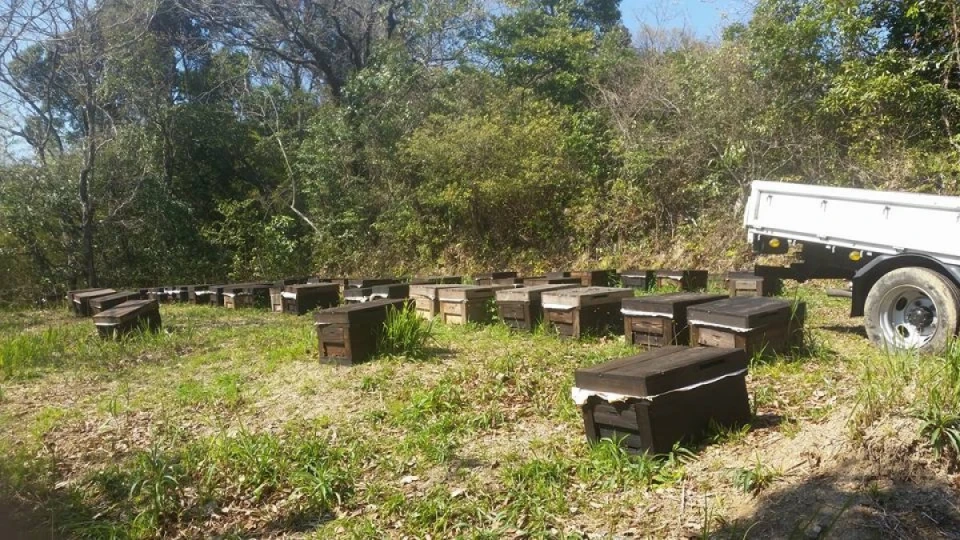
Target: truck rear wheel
[[912, 309]]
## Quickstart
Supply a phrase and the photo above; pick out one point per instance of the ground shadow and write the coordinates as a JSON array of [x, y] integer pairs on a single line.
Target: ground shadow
[[850, 503], [857, 330]]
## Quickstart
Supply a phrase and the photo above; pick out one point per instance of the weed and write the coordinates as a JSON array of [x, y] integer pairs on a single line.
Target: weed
[[610, 466], [405, 333], [942, 430], [753, 480]]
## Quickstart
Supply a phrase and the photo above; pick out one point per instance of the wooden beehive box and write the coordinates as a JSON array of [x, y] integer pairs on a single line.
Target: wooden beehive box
[[349, 334], [488, 278], [71, 294], [663, 396], [584, 310], [596, 278], [521, 308], [682, 280], [661, 320], [103, 303], [276, 299], [468, 303], [437, 280], [639, 279], [559, 274], [128, 316], [81, 300], [178, 293], [304, 298], [426, 298], [357, 295], [757, 325], [393, 290], [198, 294], [547, 280], [237, 299], [366, 283], [748, 284]]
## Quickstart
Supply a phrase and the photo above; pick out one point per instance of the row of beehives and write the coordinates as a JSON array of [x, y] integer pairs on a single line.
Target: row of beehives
[[119, 311], [649, 401]]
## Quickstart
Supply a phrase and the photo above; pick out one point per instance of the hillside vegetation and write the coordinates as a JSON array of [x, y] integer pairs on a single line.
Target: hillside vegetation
[[204, 140]]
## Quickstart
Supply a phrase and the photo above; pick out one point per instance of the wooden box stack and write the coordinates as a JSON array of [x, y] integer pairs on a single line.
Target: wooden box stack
[[492, 277], [639, 279], [682, 280], [661, 320], [522, 308], [426, 298], [103, 303], [348, 335], [596, 278], [357, 295], [127, 317], [303, 298], [748, 284], [757, 325], [468, 303], [584, 310], [393, 290], [665, 396], [81, 300]]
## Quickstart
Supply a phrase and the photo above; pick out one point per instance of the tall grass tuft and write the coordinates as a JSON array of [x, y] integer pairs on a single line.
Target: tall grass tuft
[[22, 353], [405, 333]]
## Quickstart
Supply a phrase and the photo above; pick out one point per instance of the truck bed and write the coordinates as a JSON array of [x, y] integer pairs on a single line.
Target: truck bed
[[877, 222]]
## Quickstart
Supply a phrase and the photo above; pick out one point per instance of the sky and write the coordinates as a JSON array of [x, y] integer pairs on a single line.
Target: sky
[[703, 18]]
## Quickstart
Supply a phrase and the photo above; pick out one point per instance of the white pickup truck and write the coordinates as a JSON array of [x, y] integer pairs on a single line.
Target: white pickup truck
[[900, 250]]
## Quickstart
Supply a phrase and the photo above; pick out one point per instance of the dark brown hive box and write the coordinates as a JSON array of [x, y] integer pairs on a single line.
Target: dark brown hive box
[[349, 335], [437, 280], [393, 290], [488, 278], [177, 293], [304, 298], [521, 308], [683, 280], [584, 310], [748, 284], [427, 298], [596, 278], [662, 403], [754, 324], [103, 303], [638, 279], [127, 317], [661, 320], [547, 280], [357, 295], [369, 282], [199, 294], [81, 300], [468, 304]]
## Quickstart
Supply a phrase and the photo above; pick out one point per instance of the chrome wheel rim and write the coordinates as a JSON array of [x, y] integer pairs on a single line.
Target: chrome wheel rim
[[908, 317]]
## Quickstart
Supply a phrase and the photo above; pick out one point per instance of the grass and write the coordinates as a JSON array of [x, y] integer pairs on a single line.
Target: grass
[[224, 424]]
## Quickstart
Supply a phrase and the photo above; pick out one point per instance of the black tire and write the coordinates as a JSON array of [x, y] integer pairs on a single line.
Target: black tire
[[880, 310]]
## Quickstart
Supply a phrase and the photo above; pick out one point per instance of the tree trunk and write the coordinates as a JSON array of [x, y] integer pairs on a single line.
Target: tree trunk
[[86, 201]]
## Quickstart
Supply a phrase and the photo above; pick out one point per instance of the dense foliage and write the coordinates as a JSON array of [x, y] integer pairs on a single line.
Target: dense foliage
[[201, 140]]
